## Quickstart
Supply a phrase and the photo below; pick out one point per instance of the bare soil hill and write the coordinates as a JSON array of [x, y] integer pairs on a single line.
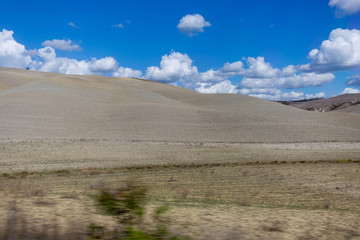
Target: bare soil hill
[[228, 166], [344, 102], [36, 105]]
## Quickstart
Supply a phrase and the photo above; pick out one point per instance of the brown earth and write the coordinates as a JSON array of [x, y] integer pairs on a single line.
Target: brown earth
[[345, 102]]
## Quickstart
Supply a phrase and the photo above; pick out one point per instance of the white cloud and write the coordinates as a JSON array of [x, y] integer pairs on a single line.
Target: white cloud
[[120, 25], [103, 65], [173, 68], [47, 53], [353, 81], [289, 70], [258, 75], [260, 79], [293, 95], [221, 87], [275, 95], [228, 70], [311, 79], [51, 63], [289, 82], [12, 53], [72, 25], [278, 95], [269, 91], [350, 90], [317, 95], [32, 52], [258, 68], [346, 6], [340, 52], [232, 69], [66, 45], [192, 24], [127, 72], [261, 74], [211, 76]]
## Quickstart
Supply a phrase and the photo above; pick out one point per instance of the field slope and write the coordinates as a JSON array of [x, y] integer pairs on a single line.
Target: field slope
[[37, 105], [229, 166]]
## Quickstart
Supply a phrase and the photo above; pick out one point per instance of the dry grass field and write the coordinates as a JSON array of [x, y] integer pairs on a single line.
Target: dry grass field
[[286, 200], [228, 166], [48, 155]]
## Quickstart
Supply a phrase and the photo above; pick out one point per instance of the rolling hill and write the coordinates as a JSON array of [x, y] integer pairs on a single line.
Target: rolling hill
[[37, 105]]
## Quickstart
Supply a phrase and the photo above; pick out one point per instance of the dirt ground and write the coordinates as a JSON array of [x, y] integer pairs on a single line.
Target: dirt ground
[[285, 200], [47, 155]]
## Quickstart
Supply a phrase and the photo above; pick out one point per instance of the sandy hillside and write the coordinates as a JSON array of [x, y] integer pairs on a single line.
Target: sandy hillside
[[35, 105]]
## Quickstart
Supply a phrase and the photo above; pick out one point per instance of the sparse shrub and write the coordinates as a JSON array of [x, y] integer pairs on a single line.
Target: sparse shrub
[[244, 201], [184, 192], [171, 179], [209, 194], [326, 204], [95, 232], [127, 205], [273, 226], [7, 175], [38, 192]]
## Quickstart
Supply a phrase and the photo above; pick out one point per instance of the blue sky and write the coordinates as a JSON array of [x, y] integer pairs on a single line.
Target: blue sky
[[209, 46]]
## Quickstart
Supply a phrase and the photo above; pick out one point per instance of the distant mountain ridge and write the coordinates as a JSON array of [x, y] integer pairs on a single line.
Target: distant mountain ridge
[[338, 103]]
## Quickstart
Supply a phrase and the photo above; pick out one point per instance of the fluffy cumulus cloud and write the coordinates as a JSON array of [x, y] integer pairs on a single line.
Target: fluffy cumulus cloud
[[221, 87], [257, 73], [350, 90], [103, 65], [346, 6], [353, 80], [278, 95], [317, 95], [192, 24], [259, 78], [254, 91], [175, 67], [65, 45], [51, 63], [340, 52], [290, 96], [227, 71], [271, 94], [289, 82], [258, 68], [261, 74], [127, 72], [12, 53]]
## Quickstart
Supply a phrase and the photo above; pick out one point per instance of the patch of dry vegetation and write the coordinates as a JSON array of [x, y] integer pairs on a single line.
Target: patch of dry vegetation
[[51, 155], [256, 201]]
